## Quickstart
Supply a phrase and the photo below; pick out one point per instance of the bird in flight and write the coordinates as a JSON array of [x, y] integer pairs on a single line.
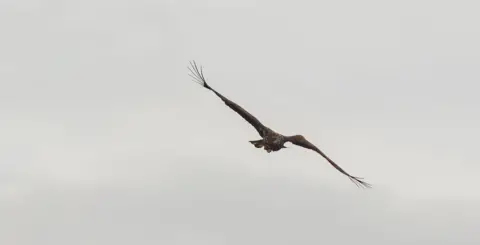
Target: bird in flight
[[271, 140]]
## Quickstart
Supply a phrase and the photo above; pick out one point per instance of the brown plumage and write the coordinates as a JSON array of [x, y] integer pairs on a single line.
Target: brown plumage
[[271, 140]]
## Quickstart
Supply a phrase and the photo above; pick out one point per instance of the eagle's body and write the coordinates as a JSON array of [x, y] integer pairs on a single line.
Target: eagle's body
[[270, 140]]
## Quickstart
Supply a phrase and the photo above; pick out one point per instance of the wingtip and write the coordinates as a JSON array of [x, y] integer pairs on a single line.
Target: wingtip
[[196, 74], [364, 184], [360, 183]]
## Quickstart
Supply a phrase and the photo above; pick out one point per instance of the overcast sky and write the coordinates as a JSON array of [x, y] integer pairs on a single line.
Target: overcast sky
[[104, 139]]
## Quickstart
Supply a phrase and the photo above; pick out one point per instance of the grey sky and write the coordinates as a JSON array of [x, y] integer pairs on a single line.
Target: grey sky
[[106, 140]]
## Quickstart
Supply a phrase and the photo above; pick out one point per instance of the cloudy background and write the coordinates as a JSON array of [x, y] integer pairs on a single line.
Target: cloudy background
[[106, 140]]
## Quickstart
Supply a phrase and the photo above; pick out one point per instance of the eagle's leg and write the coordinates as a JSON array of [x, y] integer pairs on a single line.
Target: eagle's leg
[[257, 143]]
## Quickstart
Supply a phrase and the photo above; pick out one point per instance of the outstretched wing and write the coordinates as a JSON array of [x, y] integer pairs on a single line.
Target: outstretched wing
[[197, 75], [301, 141]]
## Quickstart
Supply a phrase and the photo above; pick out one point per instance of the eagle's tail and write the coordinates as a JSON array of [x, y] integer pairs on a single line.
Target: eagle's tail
[[197, 75]]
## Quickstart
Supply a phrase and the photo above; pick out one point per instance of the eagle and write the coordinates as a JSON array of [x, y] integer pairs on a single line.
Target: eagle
[[270, 141]]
